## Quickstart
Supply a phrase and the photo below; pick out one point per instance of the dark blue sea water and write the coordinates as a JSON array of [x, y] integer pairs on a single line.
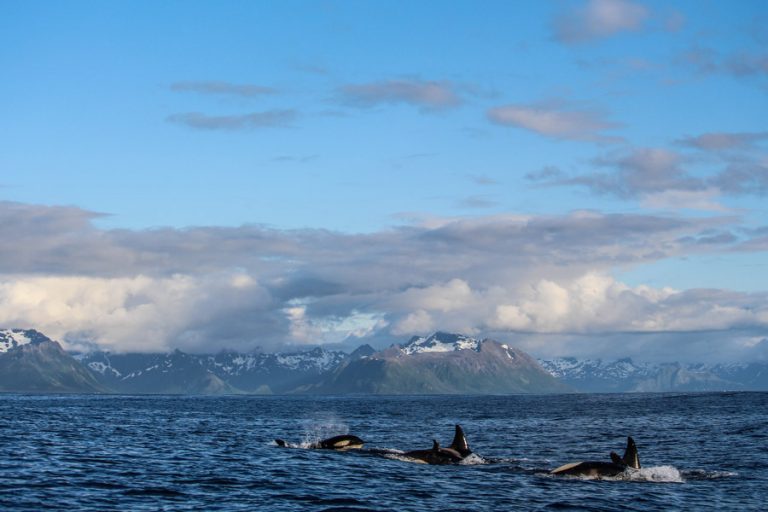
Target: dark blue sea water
[[699, 451]]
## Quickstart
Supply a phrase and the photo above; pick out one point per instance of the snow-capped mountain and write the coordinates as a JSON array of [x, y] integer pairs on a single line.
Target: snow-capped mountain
[[441, 363], [30, 362], [439, 342], [226, 372], [12, 338], [596, 375]]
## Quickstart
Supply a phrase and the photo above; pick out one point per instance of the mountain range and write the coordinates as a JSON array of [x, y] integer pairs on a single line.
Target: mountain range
[[625, 375], [442, 363]]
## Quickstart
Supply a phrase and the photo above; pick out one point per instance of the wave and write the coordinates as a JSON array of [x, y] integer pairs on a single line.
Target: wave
[[659, 474], [703, 474], [473, 459], [654, 474]]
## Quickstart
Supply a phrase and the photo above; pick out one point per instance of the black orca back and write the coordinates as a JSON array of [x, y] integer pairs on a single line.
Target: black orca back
[[341, 442], [590, 469]]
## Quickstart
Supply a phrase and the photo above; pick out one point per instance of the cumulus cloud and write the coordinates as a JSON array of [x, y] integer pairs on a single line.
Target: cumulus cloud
[[588, 308], [558, 123], [426, 94], [207, 288], [266, 119], [661, 178], [138, 313], [598, 19], [223, 88]]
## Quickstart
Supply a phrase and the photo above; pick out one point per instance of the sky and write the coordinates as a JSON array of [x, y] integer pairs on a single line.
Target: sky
[[579, 178]]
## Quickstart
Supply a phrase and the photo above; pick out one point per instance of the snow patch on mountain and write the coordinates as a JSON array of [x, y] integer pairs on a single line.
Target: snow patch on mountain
[[627, 375], [572, 368], [440, 342], [12, 338]]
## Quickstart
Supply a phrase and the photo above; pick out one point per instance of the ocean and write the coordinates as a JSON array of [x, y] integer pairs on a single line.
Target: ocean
[[99, 452]]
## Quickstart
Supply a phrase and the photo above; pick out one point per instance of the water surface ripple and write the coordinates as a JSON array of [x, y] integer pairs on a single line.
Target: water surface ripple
[[101, 453]]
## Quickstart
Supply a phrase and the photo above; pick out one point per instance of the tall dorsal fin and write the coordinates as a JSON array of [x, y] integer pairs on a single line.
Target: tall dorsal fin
[[460, 442], [435, 445], [631, 457]]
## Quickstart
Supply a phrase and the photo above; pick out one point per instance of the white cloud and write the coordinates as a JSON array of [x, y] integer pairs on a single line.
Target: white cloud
[[590, 303], [418, 321], [138, 313], [554, 122], [599, 19]]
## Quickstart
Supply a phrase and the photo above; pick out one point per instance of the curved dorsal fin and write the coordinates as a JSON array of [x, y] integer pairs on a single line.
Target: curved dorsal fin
[[631, 458], [617, 460], [435, 445], [460, 442]]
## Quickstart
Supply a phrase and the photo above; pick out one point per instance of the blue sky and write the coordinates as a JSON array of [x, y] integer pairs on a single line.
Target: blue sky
[[620, 145]]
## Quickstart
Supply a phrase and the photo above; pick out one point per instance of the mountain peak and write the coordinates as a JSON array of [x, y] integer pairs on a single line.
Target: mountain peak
[[440, 342], [362, 351], [12, 338]]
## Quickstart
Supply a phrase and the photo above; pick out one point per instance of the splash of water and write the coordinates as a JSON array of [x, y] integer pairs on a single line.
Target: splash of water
[[473, 459], [654, 474], [660, 474], [317, 431], [701, 474]]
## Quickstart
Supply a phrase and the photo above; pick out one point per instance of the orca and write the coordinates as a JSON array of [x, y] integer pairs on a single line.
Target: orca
[[617, 465], [455, 453], [342, 442]]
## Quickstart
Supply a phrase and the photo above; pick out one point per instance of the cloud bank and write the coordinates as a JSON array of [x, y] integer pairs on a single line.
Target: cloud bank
[[208, 288]]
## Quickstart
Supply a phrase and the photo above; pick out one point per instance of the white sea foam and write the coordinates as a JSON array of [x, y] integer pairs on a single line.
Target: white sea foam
[[660, 474], [473, 459], [702, 474], [654, 474], [317, 431]]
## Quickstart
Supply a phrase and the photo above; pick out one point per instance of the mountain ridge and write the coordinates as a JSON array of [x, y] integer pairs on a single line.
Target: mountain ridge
[[625, 375], [440, 363], [30, 362]]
